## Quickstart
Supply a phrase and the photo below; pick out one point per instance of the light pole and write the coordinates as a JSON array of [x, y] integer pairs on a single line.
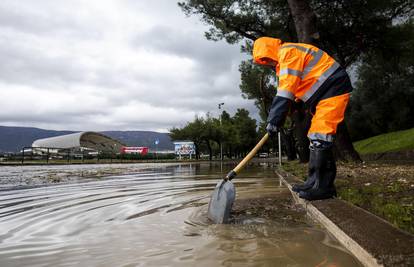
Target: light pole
[[157, 141], [221, 145]]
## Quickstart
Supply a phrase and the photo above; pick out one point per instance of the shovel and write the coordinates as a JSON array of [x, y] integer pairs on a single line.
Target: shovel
[[224, 194]]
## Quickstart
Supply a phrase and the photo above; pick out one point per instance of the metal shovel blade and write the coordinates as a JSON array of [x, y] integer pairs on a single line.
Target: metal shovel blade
[[221, 202]]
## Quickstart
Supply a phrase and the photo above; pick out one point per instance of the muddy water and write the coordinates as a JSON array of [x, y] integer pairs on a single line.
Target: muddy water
[[154, 216]]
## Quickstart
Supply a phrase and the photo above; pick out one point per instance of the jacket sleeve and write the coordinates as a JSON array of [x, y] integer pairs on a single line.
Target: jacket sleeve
[[279, 110], [291, 64]]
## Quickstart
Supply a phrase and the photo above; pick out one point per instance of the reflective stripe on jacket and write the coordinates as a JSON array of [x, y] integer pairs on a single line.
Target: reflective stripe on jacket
[[302, 68]]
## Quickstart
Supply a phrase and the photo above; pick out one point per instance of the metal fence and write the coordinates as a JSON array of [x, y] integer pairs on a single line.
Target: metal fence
[[49, 155]]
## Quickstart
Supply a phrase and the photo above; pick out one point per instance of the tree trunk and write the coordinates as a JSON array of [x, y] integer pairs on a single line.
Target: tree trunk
[[288, 140], [305, 21], [266, 100], [307, 32], [301, 123], [222, 152], [210, 151], [344, 149], [197, 151]]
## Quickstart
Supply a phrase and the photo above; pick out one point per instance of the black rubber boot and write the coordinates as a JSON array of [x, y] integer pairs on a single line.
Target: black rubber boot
[[325, 173], [310, 181]]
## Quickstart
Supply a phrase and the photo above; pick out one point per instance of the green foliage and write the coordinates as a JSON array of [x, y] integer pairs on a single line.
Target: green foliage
[[296, 168], [235, 20], [397, 211], [387, 198], [193, 131], [237, 134], [383, 100], [396, 141], [258, 84], [351, 28], [374, 33], [245, 133], [347, 28]]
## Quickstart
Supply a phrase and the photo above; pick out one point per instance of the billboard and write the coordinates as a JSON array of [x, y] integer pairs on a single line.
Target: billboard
[[184, 148], [142, 150]]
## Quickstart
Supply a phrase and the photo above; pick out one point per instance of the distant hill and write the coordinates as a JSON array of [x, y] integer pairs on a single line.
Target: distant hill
[[142, 138], [13, 139]]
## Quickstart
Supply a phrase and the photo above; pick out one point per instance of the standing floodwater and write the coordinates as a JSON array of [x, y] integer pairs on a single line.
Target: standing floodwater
[[154, 216]]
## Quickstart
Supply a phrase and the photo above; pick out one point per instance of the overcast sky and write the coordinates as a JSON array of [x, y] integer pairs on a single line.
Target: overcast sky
[[111, 65]]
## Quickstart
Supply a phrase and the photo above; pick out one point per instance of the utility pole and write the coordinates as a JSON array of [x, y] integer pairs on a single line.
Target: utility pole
[[157, 141], [280, 149], [221, 142]]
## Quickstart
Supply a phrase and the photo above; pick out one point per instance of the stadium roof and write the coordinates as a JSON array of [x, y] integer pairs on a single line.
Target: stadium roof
[[92, 140]]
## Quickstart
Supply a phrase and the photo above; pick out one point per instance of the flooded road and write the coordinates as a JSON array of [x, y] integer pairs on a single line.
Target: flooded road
[[153, 215]]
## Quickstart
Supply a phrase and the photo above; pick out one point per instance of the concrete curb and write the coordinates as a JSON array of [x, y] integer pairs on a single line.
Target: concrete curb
[[359, 252]]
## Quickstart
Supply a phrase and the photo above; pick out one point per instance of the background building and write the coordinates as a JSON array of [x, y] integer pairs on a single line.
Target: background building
[[91, 142]]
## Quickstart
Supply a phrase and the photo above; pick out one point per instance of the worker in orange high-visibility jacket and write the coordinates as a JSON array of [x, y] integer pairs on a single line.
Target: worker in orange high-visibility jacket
[[309, 74]]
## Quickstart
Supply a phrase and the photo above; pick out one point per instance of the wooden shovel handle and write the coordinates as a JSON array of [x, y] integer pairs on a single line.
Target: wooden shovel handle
[[251, 154]]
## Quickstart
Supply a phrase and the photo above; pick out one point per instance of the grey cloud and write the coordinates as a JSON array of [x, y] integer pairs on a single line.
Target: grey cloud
[[213, 57], [44, 18], [51, 51], [22, 64]]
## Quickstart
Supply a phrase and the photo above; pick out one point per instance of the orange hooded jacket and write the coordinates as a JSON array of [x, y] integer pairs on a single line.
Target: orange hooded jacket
[[304, 69], [301, 68]]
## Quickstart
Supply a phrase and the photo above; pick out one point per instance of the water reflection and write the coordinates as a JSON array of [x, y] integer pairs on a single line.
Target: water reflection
[[155, 215]]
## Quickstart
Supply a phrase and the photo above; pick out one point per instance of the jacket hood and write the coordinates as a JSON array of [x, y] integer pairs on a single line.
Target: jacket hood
[[266, 47]]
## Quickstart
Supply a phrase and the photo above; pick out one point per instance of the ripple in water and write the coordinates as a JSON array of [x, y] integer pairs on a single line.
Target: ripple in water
[[153, 217]]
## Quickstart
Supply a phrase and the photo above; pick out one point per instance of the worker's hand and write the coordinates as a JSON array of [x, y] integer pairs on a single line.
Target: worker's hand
[[272, 129]]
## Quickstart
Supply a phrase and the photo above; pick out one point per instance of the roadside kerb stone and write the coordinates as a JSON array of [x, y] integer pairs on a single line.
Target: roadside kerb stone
[[372, 240]]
